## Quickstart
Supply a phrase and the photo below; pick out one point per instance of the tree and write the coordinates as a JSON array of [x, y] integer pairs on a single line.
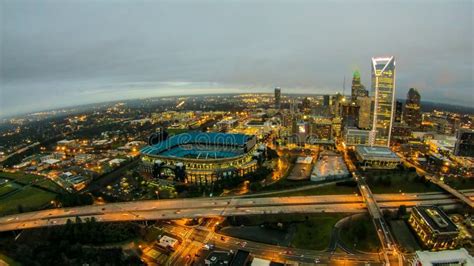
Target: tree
[[402, 211], [255, 186]]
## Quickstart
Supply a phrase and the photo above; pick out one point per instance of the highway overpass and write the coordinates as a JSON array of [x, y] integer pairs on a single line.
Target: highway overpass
[[211, 207]]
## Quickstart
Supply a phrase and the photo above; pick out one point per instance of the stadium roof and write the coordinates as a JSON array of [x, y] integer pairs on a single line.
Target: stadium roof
[[197, 138]]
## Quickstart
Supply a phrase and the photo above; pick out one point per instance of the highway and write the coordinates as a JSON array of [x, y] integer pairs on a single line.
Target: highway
[[438, 182], [196, 237], [217, 207], [383, 232]]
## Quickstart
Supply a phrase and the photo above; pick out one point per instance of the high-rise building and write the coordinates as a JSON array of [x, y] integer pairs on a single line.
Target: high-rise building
[[327, 100], [337, 101], [398, 112], [277, 98], [306, 103], [383, 91], [349, 114], [358, 90], [412, 115], [365, 105], [464, 143]]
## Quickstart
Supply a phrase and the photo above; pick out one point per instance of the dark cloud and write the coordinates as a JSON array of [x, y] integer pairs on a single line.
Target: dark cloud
[[59, 53]]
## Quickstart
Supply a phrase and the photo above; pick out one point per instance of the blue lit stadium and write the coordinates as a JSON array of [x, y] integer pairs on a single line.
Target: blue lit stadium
[[200, 157]]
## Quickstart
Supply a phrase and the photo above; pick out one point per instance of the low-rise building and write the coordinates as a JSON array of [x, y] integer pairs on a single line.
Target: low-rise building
[[241, 258], [218, 258], [459, 257], [168, 242], [433, 227], [371, 157]]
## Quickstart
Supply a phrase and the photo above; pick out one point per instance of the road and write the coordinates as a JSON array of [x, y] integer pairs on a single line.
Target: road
[[438, 182], [390, 253], [19, 151], [217, 207], [198, 236]]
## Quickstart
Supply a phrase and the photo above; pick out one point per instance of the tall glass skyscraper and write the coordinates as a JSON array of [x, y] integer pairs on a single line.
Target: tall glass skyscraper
[[277, 98], [358, 90], [383, 91], [413, 109]]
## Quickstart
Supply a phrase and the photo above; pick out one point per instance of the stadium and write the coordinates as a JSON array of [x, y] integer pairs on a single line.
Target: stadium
[[201, 157]]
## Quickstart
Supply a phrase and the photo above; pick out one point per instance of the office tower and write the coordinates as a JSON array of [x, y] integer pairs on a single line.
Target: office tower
[[326, 100], [321, 129], [277, 98], [464, 143], [383, 91], [358, 90], [398, 112], [349, 114], [306, 104], [365, 106], [337, 101], [412, 115], [293, 106]]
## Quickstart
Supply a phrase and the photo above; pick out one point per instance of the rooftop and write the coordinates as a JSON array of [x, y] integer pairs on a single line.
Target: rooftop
[[445, 257], [201, 138], [219, 258], [436, 218], [376, 152]]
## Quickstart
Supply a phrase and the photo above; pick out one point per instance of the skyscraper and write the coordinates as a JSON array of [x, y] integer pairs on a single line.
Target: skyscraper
[[464, 143], [365, 105], [398, 112], [358, 90], [412, 115], [277, 98], [383, 91], [327, 100]]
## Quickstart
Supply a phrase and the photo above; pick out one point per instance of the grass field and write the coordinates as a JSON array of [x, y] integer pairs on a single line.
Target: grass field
[[403, 235], [7, 188], [29, 198], [310, 231], [359, 233], [315, 233], [394, 181], [21, 178], [176, 131], [460, 183], [49, 184], [24, 179]]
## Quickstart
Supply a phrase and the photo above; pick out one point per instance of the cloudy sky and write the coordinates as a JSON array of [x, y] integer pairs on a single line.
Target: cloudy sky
[[62, 53]]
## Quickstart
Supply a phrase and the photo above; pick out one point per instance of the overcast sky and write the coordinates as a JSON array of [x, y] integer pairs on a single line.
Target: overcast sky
[[63, 53]]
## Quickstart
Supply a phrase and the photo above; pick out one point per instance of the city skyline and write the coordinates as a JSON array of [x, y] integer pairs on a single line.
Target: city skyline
[[195, 133], [56, 63]]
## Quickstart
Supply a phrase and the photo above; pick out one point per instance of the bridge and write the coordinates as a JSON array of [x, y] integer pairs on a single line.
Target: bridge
[[217, 207], [451, 190]]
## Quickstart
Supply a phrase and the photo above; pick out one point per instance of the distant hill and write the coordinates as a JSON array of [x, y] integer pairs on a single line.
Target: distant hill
[[430, 106]]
